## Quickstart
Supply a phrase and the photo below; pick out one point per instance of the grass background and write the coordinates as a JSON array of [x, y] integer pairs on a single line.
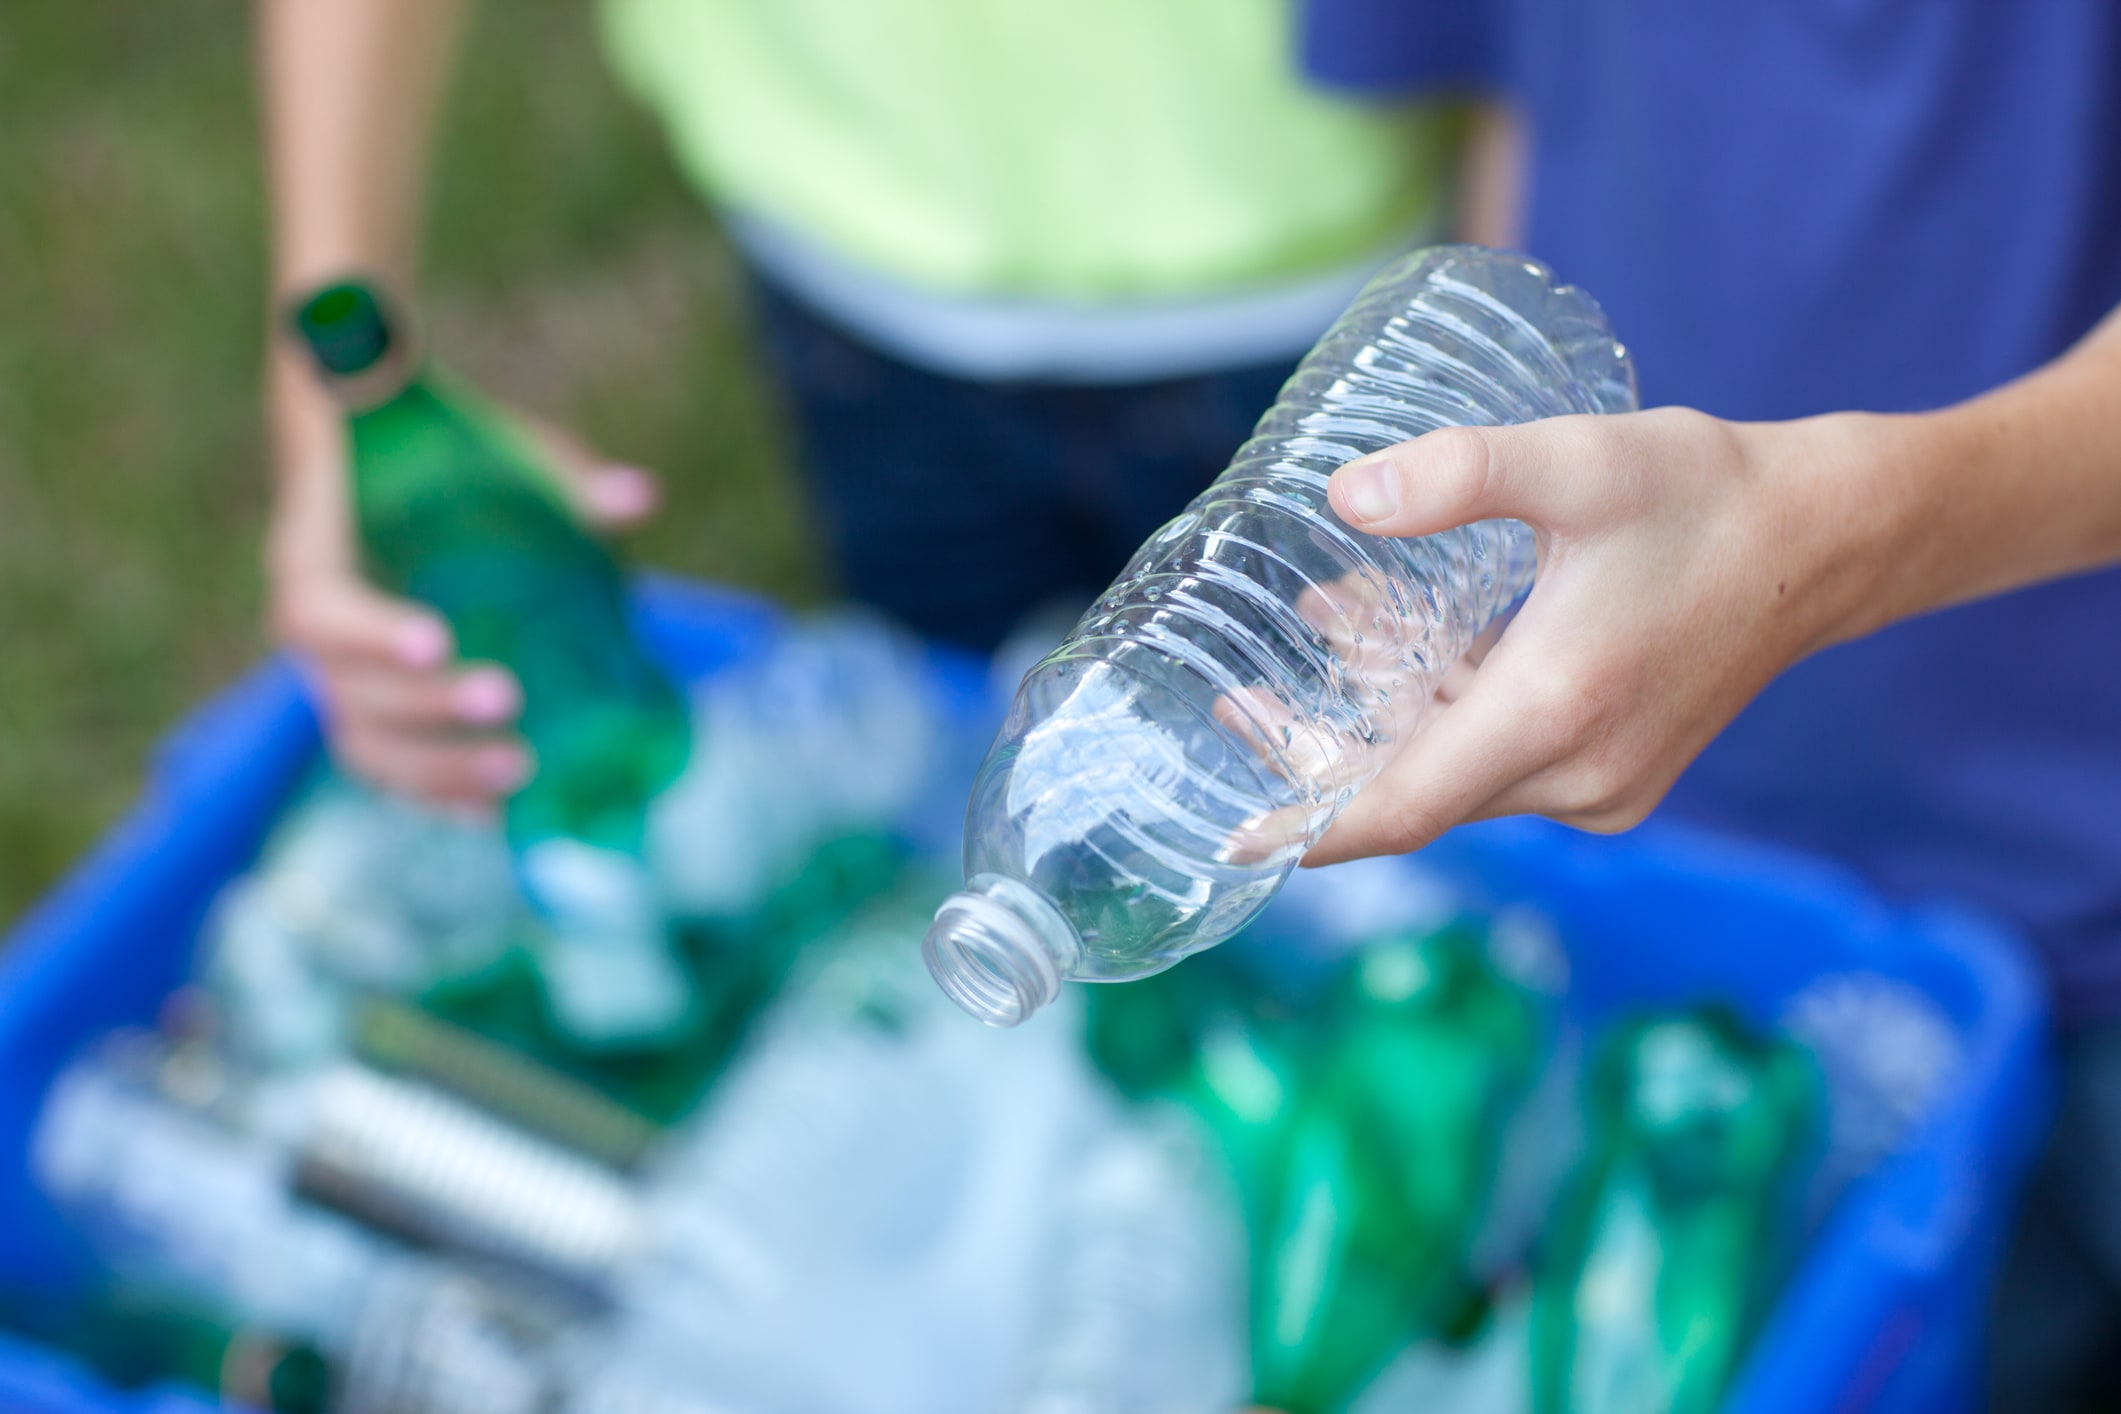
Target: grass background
[[569, 269]]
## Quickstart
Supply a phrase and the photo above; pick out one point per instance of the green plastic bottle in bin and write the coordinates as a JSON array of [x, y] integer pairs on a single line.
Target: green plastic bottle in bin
[[1665, 1252], [1362, 1135], [1387, 1165], [458, 507]]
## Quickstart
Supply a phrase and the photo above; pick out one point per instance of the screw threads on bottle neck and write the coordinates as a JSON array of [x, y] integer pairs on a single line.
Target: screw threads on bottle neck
[[1000, 950]]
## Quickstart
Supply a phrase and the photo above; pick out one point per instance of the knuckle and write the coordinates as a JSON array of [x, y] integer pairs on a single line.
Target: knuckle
[[360, 751], [1618, 817], [1694, 425], [1691, 437], [1602, 797], [1409, 823], [293, 617], [1564, 712], [1459, 469]]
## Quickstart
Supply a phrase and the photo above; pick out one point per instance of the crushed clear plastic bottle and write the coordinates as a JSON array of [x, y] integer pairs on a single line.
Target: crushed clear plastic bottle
[[359, 893], [1259, 662], [831, 730], [1144, 1307]]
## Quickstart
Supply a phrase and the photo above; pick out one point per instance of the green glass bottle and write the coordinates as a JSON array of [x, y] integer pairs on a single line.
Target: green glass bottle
[[1386, 1165], [137, 1338], [457, 507], [1667, 1246]]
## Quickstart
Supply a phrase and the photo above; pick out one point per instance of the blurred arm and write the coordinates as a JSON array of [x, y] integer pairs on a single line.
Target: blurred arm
[[2020, 485], [348, 96], [1491, 200], [348, 92]]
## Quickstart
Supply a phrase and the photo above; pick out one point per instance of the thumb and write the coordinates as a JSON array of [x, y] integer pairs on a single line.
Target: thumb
[[616, 496], [1457, 475], [608, 494]]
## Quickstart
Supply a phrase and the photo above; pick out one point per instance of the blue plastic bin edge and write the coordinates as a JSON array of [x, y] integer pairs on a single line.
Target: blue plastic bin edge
[[34, 1381], [1885, 1311], [1896, 1292]]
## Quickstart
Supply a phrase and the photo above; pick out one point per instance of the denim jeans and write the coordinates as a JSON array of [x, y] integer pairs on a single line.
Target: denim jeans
[[2057, 1332], [958, 506]]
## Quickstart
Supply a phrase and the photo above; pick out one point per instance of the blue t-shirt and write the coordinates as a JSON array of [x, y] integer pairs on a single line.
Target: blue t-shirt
[[1811, 205]]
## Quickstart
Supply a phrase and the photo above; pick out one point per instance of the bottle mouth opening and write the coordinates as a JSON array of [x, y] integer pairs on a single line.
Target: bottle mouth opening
[[1000, 951]]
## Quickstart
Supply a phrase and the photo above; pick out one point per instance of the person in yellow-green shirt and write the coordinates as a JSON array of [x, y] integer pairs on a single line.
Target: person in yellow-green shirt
[[1027, 273]]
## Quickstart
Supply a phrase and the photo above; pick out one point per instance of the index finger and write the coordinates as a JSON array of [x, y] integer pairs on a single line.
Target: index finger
[[346, 620], [1471, 752]]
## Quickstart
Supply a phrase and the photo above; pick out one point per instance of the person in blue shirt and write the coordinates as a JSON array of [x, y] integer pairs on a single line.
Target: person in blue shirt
[[1851, 586]]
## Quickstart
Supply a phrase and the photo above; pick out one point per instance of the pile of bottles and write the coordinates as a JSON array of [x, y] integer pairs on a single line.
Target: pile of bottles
[[640, 1099], [361, 1168], [374, 1098], [432, 1221], [1452, 1202]]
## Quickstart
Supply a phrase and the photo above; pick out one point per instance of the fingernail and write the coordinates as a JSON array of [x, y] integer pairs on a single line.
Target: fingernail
[[421, 643], [503, 768], [485, 696], [619, 492], [1369, 491]]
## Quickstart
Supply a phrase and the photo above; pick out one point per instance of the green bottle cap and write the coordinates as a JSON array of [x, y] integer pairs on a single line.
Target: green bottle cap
[[343, 325]]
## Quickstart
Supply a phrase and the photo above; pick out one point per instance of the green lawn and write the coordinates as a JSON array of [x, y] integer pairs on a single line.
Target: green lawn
[[570, 271]]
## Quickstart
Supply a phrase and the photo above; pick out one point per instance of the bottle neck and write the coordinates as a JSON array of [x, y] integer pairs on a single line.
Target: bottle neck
[[1001, 950], [362, 354], [376, 386]]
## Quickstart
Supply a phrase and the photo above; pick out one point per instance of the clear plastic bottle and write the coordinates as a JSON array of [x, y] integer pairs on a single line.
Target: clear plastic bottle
[[875, 1168], [359, 893], [170, 1198], [1259, 662], [438, 1339], [1144, 1309], [831, 731]]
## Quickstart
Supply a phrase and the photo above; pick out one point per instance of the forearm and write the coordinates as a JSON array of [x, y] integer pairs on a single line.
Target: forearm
[[1491, 188], [2020, 485], [348, 91], [1685, 561]]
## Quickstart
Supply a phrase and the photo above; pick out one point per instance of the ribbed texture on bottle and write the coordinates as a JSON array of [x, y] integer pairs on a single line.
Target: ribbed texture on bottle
[[1322, 643], [419, 1162]]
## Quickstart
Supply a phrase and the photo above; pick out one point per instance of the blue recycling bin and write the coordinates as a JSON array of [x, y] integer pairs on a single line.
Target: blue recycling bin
[[1884, 1312]]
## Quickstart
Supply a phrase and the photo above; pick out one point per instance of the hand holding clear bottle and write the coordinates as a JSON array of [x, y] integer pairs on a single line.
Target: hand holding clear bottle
[[1260, 661]]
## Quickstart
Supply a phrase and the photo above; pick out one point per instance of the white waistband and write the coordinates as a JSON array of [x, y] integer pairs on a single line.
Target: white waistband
[[1006, 339]]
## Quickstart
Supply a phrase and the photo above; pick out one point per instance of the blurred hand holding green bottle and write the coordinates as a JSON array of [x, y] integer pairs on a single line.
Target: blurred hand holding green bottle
[[458, 507]]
